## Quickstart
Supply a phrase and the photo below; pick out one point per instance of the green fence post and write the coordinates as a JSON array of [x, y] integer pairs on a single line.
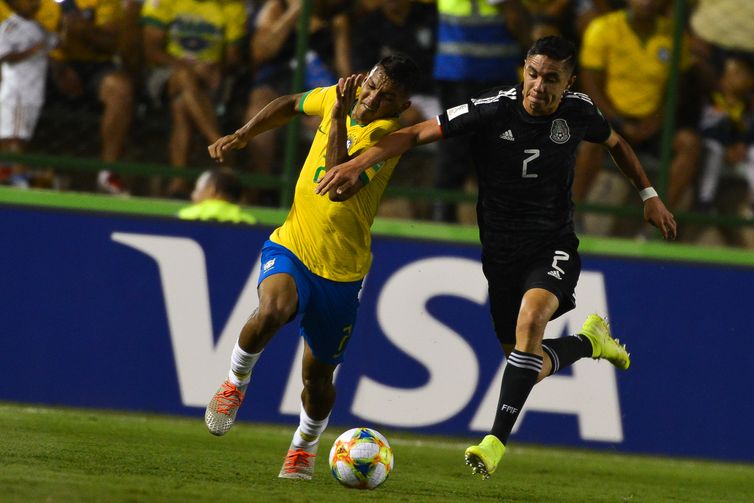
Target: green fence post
[[668, 123], [290, 158]]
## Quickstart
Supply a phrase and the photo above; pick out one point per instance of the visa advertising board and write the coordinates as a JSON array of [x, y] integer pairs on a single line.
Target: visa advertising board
[[141, 314]]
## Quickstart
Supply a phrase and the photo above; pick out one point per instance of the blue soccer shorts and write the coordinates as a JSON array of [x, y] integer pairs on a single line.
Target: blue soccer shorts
[[328, 308]]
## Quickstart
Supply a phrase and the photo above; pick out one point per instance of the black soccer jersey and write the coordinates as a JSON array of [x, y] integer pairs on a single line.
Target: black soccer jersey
[[525, 164]]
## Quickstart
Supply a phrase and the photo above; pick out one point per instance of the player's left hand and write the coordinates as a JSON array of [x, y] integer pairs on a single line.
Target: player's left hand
[[658, 215], [346, 94]]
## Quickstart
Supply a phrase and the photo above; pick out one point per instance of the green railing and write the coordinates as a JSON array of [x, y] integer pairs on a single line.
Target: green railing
[[290, 159], [77, 164], [164, 208]]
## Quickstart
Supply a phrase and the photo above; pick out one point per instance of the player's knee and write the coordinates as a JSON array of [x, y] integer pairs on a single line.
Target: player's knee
[[117, 87], [183, 79], [532, 320], [530, 327], [319, 385], [273, 315]]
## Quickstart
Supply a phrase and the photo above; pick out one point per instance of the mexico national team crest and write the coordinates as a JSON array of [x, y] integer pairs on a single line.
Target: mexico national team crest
[[559, 132]]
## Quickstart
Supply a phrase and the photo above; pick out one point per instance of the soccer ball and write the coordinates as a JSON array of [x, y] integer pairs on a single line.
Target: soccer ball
[[361, 458]]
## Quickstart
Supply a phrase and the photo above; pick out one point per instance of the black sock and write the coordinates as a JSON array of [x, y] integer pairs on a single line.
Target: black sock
[[565, 351], [519, 378]]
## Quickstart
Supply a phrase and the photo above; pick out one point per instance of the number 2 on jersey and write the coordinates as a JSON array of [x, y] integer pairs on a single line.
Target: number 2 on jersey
[[533, 154]]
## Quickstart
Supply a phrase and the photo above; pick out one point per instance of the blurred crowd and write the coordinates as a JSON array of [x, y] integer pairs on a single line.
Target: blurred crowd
[[158, 80]]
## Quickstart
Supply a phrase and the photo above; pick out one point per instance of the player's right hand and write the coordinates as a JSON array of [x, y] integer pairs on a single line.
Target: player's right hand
[[224, 144]]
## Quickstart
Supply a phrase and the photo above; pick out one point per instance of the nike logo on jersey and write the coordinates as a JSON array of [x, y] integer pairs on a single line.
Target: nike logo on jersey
[[508, 135]]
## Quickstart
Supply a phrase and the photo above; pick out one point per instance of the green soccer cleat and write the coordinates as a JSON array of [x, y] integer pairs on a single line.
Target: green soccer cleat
[[604, 347], [484, 458]]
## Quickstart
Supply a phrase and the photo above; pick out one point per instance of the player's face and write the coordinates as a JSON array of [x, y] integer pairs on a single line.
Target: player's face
[[380, 98], [545, 81]]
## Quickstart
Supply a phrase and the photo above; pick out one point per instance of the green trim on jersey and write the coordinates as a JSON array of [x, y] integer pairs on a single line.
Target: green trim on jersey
[[300, 105]]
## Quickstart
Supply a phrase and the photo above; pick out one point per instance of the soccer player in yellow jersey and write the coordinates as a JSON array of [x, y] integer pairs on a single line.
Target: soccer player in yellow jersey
[[315, 262]]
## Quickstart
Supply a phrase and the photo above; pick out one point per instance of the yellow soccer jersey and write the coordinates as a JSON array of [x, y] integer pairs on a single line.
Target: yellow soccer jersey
[[333, 238], [636, 70], [197, 29]]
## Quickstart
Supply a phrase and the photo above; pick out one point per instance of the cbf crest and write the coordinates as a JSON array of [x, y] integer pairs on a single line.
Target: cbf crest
[[349, 142], [559, 132]]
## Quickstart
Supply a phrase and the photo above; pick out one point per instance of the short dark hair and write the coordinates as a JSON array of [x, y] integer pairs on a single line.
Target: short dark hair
[[556, 48], [402, 70], [226, 183]]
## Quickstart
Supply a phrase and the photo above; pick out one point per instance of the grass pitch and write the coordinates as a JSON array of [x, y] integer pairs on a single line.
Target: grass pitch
[[66, 455]]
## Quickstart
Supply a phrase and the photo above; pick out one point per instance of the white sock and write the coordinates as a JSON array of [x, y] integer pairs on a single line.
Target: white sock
[[241, 364], [308, 431]]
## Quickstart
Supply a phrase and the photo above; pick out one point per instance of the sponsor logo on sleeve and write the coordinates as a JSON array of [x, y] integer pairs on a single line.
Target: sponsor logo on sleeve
[[457, 111]]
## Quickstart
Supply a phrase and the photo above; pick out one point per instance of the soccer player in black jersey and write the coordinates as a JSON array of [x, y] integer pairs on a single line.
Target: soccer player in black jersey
[[524, 141]]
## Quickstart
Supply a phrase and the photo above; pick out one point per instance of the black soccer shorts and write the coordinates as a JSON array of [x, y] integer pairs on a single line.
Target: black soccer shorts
[[555, 267]]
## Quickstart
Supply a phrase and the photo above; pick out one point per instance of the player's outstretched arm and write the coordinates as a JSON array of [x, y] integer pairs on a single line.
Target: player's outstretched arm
[[277, 113], [655, 211], [343, 177]]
